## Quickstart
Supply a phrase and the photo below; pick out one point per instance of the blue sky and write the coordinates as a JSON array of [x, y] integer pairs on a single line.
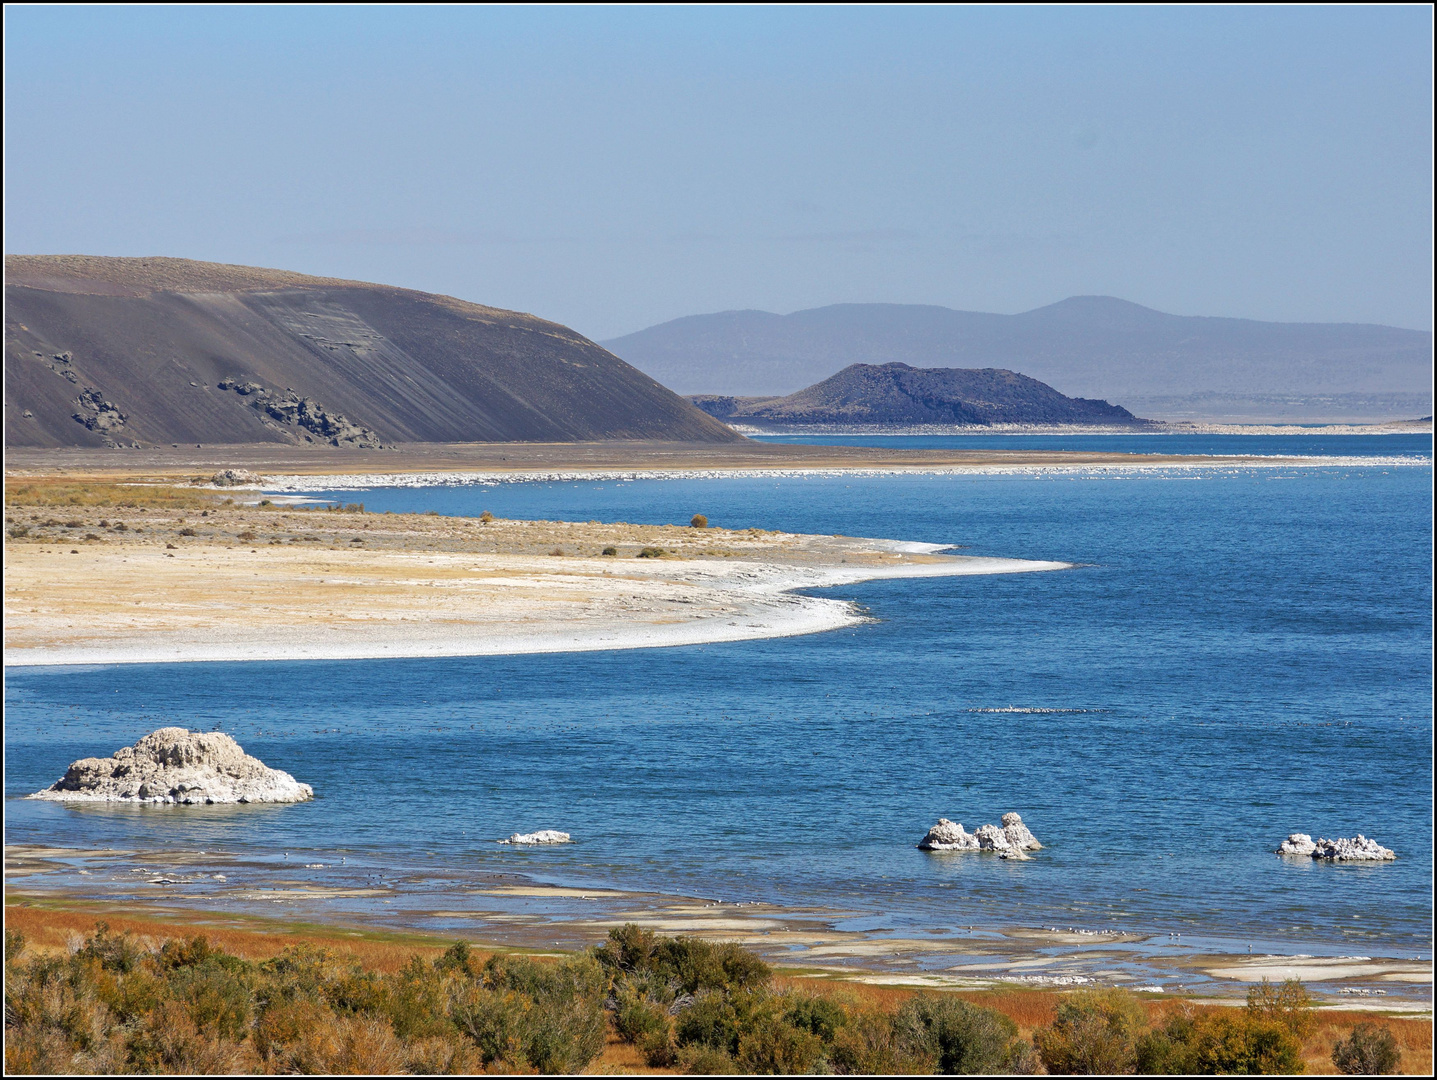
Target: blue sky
[[616, 167]]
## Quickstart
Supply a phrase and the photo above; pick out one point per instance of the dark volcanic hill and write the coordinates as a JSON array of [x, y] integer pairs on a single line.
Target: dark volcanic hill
[[121, 352], [1096, 346], [898, 394]]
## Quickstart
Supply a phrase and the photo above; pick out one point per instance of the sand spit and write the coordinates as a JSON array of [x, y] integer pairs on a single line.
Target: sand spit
[[274, 583]]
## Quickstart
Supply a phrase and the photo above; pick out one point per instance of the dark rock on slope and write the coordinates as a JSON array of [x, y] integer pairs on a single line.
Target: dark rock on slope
[[121, 352], [1098, 346], [896, 394]]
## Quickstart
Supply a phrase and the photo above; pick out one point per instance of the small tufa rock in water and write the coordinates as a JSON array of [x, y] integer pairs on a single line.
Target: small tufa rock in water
[[1343, 849], [1011, 841], [543, 836], [1357, 849], [173, 765]]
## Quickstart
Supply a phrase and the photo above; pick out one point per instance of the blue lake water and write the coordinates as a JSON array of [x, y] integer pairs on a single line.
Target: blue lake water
[[1240, 654]]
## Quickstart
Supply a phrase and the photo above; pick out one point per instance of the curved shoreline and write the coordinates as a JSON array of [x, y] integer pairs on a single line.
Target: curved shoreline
[[215, 600]]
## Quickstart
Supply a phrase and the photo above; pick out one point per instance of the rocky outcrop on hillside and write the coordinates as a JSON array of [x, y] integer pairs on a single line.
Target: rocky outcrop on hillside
[[1010, 841], [285, 410], [173, 765]]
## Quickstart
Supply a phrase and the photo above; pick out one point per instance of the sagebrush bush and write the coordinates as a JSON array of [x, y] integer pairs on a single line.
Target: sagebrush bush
[[1369, 1051], [1095, 1032], [1286, 1004], [114, 1006], [963, 1037]]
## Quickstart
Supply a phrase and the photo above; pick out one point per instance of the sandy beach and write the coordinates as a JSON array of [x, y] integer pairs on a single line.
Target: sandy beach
[[280, 583]]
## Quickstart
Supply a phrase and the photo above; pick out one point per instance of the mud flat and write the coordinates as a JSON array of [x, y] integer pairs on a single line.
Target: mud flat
[[519, 910], [230, 582]]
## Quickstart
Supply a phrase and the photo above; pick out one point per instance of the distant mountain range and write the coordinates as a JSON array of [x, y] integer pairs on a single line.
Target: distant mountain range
[[899, 395], [138, 352], [1165, 366]]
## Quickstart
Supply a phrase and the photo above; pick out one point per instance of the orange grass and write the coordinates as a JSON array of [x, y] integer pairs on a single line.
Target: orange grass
[[49, 930]]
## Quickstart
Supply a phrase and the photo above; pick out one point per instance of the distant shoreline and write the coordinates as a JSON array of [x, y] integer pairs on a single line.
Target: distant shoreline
[[1175, 427]]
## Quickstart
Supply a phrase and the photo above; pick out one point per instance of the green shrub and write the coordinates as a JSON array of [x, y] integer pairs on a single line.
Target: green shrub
[[712, 1020], [1222, 1043], [609, 551], [630, 948], [963, 1038], [650, 553], [771, 1046], [636, 1017], [113, 952], [699, 522], [216, 998], [867, 1044], [700, 1060], [456, 959], [1245, 1044], [694, 964], [821, 1016], [1369, 1051], [521, 1012], [659, 1049], [1094, 1032]]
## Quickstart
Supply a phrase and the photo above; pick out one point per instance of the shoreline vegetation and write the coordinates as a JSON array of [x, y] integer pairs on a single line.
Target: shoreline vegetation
[[144, 994], [191, 574]]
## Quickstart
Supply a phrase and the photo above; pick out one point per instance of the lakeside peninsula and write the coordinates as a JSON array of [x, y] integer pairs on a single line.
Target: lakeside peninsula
[[198, 575]]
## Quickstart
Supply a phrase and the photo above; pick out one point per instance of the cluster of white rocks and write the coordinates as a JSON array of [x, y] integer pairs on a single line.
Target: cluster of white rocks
[[173, 765], [543, 836], [1343, 849], [235, 478], [1011, 841]]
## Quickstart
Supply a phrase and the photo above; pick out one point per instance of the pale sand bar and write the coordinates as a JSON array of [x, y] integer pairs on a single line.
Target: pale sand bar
[[339, 585]]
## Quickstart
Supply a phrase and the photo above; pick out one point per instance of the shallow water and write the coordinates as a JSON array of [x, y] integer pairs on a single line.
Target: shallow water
[[1241, 654]]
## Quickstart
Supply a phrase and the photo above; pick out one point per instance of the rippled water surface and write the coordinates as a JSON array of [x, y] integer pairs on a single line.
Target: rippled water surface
[[1240, 654]]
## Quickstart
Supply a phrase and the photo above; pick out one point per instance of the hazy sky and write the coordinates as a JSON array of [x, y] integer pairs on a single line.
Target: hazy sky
[[614, 168]]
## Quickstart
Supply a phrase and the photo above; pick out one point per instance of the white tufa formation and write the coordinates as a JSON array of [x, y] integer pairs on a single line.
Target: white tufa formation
[[543, 836], [1011, 841], [1343, 849], [235, 478], [173, 765], [1357, 849]]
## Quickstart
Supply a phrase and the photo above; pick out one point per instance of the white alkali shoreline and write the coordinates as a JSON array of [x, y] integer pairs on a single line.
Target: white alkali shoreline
[[721, 602], [295, 483]]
